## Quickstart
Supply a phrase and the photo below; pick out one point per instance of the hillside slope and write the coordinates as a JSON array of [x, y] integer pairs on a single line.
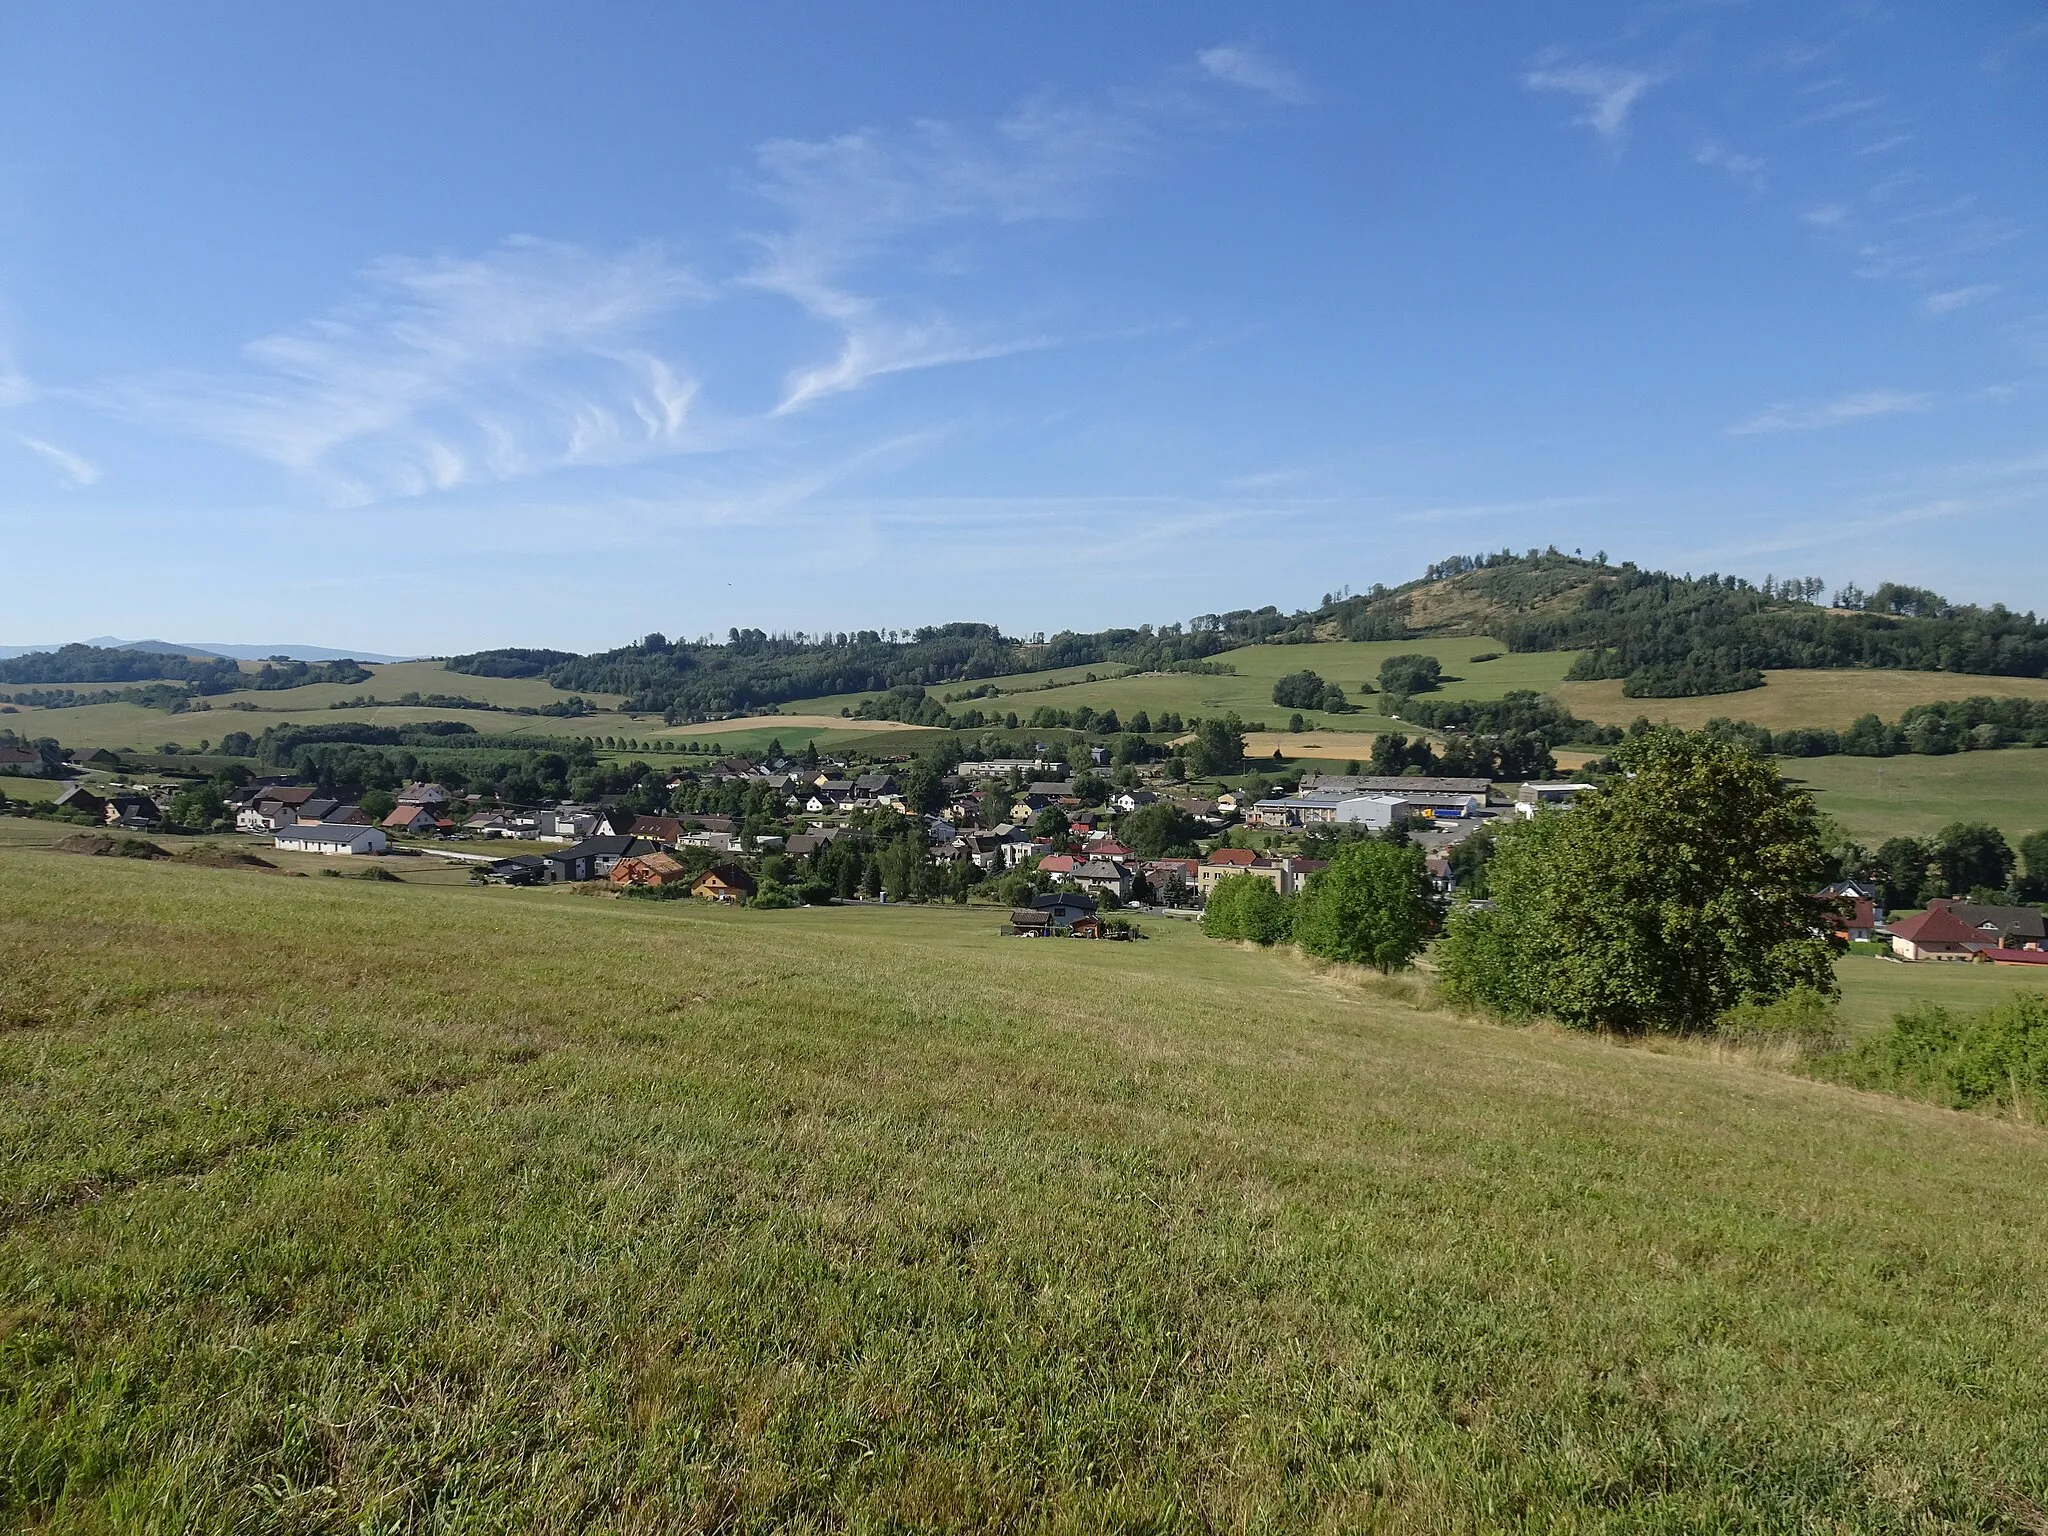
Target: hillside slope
[[332, 1205]]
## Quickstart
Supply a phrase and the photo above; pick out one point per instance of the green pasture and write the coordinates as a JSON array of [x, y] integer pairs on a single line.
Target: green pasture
[[30, 789], [1912, 796], [334, 1205], [1832, 699], [1250, 691], [1875, 990]]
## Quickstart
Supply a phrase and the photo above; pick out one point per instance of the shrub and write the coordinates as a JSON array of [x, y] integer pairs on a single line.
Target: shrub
[[1994, 1059], [1247, 907], [1802, 1023]]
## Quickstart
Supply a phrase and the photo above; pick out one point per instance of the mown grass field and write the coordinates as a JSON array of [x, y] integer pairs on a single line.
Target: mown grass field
[[1250, 692], [1831, 699], [329, 1205], [1875, 990], [1909, 796]]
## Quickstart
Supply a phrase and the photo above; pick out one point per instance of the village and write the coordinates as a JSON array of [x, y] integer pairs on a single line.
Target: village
[[1056, 844]]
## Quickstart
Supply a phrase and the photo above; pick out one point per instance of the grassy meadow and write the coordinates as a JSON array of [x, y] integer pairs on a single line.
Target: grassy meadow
[[335, 1205], [1250, 691], [1912, 796], [1875, 990], [1829, 699]]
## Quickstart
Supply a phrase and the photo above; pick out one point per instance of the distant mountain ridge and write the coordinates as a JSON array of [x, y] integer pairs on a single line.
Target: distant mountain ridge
[[228, 652]]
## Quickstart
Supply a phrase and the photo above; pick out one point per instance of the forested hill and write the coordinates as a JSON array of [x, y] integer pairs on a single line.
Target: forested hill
[[1669, 636], [1665, 635], [752, 670]]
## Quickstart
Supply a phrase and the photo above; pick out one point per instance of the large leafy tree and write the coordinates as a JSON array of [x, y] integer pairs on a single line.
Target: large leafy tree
[[1158, 830], [1370, 907], [1218, 748], [1972, 855], [1682, 887]]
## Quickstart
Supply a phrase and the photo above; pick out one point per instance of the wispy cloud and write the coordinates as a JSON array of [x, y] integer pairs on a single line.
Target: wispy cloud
[[76, 472], [859, 197], [1860, 406], [1609, 94], [1953, 299], [1748, 170], [1243, 65], [446, 370]]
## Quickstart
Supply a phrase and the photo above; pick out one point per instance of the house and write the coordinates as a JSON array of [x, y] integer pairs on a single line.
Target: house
[[1438, 868], [1024, 807], [348, 815], [1531, 798], [716, 842], [647, 870], [1225, 862], [1133, 799], [1855, 919], [520, 869], [724, 882], [1936, 934], [1058, 864], [423, 794], [76, 797], [274, 806], [1104, 877], [329, 838], [20, 760], [488, 824], [416, 819], [593, 858], [1052, 912], [313, 812], [128, 809], [666, 830], [2002, 927], [804, 844]]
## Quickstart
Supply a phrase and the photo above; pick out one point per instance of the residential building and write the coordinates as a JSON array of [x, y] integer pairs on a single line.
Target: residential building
[[416, 819], [423, 794], [126, 808], [593, 858], [2003, 927], [331, 838], [724, 882], [647, 869], [1107, 878], [76, 797], [1936, 934]]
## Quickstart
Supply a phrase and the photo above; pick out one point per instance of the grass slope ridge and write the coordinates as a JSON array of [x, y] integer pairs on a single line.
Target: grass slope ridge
[[672, 1218]]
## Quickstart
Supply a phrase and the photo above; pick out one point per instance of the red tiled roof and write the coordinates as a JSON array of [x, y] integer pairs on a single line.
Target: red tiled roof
[[1059, 864], [1240, 856], [1937, 925]]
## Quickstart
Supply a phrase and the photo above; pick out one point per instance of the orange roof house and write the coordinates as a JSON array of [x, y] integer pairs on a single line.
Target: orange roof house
[[724, 882], [648, 869]]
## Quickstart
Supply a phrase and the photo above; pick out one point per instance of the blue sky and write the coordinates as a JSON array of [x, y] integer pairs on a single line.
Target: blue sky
[[425, 328]]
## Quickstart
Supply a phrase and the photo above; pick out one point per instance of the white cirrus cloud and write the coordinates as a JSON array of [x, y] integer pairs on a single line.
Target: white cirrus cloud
[[1953, 299], [852, 200], [1610, 94], [446, 370], [77, 472], [1242, 65], [1860, 406]]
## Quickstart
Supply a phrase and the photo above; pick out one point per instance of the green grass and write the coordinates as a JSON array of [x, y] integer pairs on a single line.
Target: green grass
[[1250, 692], [328, 1205], [1875, 990], [1829, 698], [30, 789], [1909, 796]]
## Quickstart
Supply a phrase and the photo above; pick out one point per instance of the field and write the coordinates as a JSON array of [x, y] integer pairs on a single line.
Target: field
[[1881, 797], [331, 1205], [1250, 692], [1832, 699], [131, 726], [1874, 990]]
